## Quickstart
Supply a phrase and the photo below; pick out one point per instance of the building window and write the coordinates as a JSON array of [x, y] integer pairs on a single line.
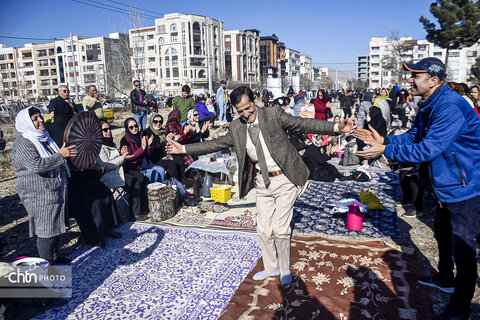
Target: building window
[[454, 63], [167, 73], [471, 54], [173, 27], [28, 73], [149, 36], [138, 38], [167, 61], [376, 57], [150, 48], [175, 73], [41, 53], [174, 51], [43, 73], [174, 61], [185, 73], [161, 29], [139, 49], [168, 84], [89, 47], [151, 59], [176, 84], [422, 47], [174, 37], [45, 82], [152, 70], [167, 52], [43, 63], [421, 55], [153, 81], [454, 54], [161, 40], [437, 54], [375, 49]]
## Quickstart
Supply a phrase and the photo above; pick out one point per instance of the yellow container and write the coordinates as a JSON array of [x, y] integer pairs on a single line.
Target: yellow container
[[221, 193]]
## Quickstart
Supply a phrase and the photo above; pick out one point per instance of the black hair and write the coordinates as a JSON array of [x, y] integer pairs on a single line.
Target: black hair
[[33, 111], [136, 81], [350, 138], [186, 89], [236, 95]]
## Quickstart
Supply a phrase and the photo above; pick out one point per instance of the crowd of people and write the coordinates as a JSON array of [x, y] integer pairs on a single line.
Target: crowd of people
[[277, 151]]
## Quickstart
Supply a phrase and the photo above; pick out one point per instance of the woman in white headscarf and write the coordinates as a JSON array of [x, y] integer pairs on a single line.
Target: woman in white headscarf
[[41, 172]]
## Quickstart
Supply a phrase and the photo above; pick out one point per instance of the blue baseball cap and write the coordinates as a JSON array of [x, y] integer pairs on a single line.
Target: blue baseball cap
[[433, 66], [223, 82]]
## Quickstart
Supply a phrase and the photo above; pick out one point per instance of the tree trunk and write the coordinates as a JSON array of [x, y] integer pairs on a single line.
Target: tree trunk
[[446, 59]]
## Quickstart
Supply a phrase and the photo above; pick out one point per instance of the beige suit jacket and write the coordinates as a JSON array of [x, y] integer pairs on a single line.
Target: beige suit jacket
[[273, 122]]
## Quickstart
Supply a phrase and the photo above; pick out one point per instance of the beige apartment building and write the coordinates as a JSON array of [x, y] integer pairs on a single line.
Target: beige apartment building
[[179, 49], [46, 70]]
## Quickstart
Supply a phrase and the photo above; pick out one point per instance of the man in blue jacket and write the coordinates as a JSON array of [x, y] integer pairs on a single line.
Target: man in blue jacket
[[446, 135]]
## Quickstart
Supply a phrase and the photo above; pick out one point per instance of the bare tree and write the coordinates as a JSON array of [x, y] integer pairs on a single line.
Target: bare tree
[[326, 82], [400, 51]]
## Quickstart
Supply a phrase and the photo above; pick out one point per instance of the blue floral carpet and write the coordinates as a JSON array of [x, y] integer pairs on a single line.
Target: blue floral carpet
[[156, 272], [313, 210]]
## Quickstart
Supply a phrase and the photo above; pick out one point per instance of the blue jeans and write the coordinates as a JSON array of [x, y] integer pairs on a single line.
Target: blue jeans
[[154, 173], [222, 109], [141, 119]]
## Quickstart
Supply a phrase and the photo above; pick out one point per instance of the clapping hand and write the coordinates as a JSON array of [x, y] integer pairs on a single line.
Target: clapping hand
[[124, 153], [205, 127], [173, 147], [348, 125], [372, 138]]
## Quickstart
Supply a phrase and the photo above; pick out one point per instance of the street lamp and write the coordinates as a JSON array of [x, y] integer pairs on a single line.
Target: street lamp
[[279, 67]]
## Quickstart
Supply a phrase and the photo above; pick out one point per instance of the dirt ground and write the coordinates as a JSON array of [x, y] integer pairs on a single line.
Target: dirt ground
[[14, 241]]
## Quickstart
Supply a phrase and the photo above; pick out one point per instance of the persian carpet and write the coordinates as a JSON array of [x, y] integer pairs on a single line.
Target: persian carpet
[[313, 211], [336, 280], [156, 272]]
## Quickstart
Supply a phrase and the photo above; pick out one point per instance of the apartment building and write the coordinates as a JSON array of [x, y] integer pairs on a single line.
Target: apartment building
[[458, 67], [45, 60], [292, 63], [306, 65], [100, 61], [242, 56], [8, 70], [363, 68], [180, 49], [272, 57]]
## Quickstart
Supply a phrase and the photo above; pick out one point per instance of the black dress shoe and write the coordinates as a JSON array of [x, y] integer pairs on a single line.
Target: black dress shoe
[[114, 234], [62, 260]]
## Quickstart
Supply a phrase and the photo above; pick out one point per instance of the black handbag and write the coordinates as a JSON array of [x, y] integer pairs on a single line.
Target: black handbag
[[191, 200]]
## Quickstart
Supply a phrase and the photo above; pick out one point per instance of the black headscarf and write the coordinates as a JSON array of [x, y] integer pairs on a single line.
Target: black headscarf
[[129, 135], [377, 121]]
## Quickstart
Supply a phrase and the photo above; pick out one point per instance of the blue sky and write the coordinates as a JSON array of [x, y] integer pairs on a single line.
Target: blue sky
[[333, 31]]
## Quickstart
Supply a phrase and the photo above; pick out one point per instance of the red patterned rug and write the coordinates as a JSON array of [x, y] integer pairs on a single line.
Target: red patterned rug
[[336, 280]]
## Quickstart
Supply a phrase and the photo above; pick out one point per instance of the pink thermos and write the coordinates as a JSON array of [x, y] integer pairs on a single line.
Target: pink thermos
[[354, 217]]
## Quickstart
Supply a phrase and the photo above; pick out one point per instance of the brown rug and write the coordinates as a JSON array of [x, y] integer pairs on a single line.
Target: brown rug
[[336, 280]]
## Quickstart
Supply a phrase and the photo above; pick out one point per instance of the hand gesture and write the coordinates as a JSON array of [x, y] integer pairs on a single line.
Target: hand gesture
[[329, 149], [205, 127], [187, 128], [144, 142], [369, 136], [173, 147], [375, 151], [335, 148], [124, 150], [329, 104], [150, 140], [348, 125], [68, 152], [170, 136]]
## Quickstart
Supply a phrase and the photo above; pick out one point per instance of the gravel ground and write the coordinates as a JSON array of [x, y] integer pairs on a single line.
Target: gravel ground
[[14, 241]]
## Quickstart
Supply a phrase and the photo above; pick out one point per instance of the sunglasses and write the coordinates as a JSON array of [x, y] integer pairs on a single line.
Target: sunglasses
[[134, 126], [137, 85], [157, 121], [65, 90], [195, 114], [106, 129]]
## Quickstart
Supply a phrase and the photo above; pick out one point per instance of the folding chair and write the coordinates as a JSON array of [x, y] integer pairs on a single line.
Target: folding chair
[[120, 193]]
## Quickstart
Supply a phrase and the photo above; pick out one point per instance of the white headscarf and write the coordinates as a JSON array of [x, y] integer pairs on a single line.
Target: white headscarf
[[191, 119], [25, 126]]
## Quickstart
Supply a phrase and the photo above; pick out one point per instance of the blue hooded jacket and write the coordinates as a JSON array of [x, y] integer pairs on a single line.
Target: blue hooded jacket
[[445, 134]]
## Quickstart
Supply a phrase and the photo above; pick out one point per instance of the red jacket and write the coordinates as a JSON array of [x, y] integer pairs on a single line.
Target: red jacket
[[133, 149], [321, 110]]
